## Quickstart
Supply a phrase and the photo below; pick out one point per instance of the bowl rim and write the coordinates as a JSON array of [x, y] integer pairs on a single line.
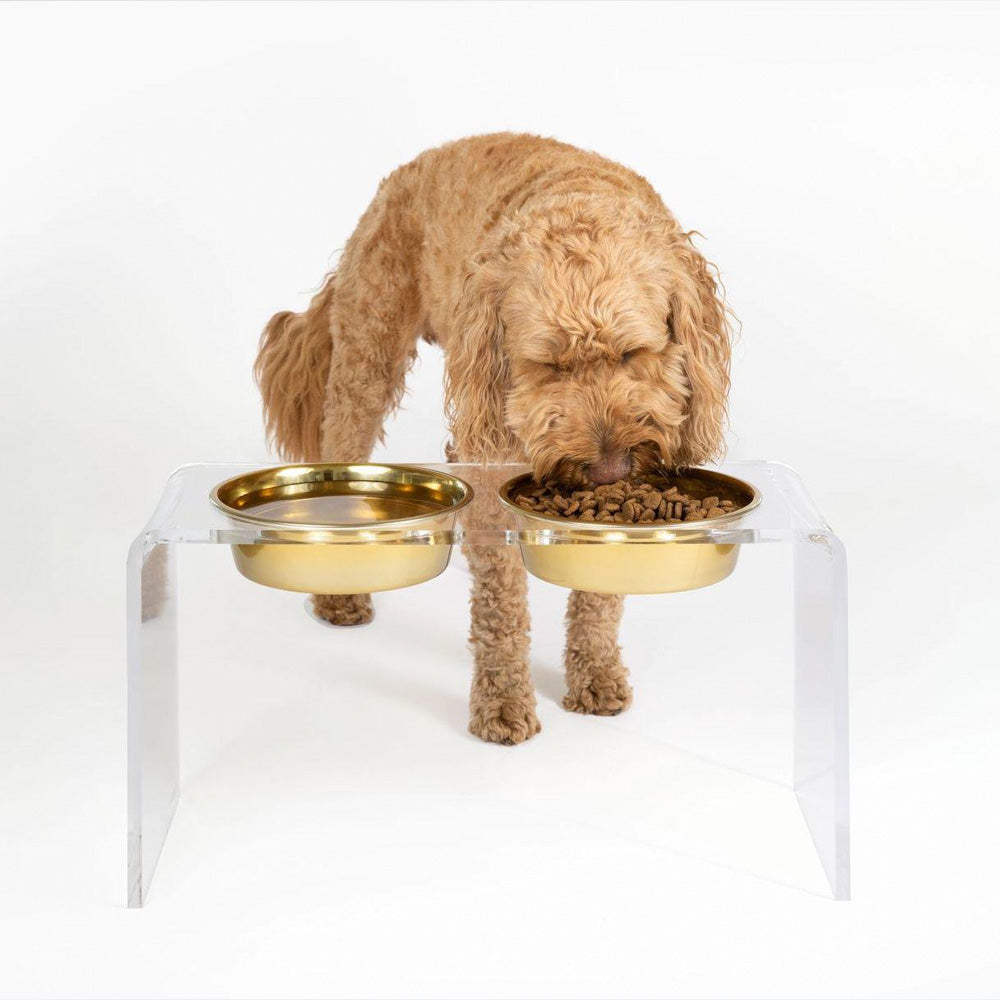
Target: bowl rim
[[335, 526], [633, 529]]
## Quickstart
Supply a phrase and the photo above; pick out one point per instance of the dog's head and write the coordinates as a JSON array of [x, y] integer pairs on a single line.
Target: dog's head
[[598, 350]]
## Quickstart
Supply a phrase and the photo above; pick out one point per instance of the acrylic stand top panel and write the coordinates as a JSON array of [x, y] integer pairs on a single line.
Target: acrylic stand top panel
[[184, 513]]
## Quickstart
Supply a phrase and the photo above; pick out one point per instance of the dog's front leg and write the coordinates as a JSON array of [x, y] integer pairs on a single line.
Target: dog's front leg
[[596, 678], [502, 706]]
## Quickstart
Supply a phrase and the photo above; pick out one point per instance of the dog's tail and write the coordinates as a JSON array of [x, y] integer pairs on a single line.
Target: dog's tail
[[292, 367]]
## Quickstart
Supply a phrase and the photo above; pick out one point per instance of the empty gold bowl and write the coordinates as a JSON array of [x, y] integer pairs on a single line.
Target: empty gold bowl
[[333, 528], [630, 558]]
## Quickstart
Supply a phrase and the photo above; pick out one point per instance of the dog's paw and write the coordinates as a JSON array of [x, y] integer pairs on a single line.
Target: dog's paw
[[506, 722], [600, 695], [344, 609]]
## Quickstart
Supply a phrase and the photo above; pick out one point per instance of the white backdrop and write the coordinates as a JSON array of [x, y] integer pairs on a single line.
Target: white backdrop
[[174, 174]]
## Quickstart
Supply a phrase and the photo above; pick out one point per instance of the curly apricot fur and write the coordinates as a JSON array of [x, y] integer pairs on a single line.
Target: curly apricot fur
[[580, 326]]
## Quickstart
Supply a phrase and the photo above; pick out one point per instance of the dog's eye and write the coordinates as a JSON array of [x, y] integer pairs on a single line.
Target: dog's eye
[[627, 356]]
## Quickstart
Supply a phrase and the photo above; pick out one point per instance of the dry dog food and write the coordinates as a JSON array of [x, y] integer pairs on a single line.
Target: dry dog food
[[625, 502]]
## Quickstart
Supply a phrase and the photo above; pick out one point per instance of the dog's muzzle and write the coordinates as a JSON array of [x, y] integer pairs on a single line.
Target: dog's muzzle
[[610, 469]]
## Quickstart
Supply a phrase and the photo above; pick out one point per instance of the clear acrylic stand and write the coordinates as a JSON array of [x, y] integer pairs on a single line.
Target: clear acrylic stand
[[785, 516]]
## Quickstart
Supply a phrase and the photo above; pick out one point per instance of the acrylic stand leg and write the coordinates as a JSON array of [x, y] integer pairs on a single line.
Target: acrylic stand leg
[[153, 768], [821, 748]]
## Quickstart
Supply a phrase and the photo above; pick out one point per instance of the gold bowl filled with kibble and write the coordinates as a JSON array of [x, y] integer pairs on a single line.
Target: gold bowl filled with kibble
[[653, 535]]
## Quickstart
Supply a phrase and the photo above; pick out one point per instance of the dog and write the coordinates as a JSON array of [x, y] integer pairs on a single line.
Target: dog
[[583, 334]]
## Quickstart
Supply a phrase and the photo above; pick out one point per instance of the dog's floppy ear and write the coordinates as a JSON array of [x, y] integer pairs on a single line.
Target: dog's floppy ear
[[477, 371], [698, 323]]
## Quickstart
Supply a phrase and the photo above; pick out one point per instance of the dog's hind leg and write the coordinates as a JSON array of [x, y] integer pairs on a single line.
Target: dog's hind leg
[[596, 678], [375, 324]]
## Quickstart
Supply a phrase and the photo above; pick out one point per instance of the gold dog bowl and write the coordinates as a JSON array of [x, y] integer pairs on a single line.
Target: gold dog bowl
[[349, 529], [629, 558]]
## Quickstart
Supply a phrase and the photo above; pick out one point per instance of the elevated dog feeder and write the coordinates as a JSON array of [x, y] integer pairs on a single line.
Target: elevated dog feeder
[[395, 526]]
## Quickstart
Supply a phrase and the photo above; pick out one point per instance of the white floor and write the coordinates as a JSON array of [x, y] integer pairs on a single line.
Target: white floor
[[340, 834]]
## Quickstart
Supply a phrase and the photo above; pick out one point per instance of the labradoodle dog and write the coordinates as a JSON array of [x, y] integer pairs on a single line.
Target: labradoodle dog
[[583, 334]]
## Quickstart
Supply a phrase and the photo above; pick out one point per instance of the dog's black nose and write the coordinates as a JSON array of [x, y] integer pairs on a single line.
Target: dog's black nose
[[610, 468]]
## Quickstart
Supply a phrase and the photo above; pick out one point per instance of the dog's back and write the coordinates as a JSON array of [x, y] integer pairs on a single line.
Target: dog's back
[[427, 221]]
